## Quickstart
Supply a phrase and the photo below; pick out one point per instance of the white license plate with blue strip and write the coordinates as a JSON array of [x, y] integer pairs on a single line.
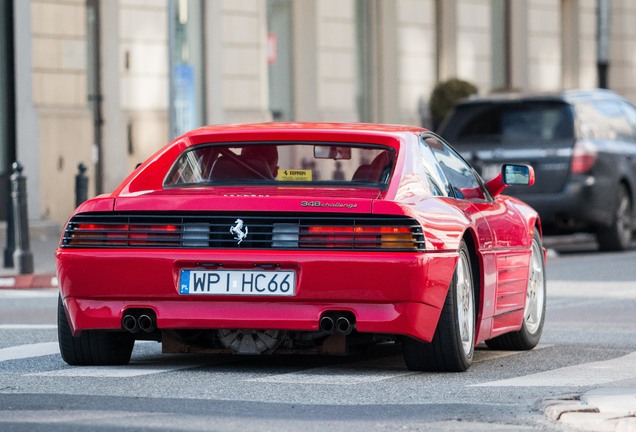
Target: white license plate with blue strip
[[237, 282]]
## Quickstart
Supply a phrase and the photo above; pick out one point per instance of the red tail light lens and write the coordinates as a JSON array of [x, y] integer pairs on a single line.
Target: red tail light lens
[[141, 235], [584, 157], [359, 237], [93, 234], [99, 234]]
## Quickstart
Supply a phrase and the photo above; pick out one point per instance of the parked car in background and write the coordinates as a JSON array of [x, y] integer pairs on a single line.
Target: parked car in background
[[304, 237], [581, 144]]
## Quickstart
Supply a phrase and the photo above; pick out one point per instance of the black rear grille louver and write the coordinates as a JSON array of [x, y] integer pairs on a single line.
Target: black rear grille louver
[[251, 231]]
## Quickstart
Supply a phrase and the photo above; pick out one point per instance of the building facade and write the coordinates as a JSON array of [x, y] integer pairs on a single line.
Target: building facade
[[107, 83]]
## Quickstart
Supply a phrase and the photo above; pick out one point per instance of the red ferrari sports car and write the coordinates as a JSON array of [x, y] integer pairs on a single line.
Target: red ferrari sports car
[[287, 237]]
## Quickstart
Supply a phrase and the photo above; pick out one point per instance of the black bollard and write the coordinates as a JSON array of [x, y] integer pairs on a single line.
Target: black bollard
[[81, 185], [22, 256], [10, 246]]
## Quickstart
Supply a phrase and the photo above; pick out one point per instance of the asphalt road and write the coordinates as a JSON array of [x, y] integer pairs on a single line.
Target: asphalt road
[[589, 342]]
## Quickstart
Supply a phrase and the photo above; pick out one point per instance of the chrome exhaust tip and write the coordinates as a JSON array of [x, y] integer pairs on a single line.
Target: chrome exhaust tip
[[343, 326], [130, 324], [146, 323], [327, 324]]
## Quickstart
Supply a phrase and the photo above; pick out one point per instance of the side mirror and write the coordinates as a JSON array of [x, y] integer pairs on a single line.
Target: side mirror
[[517, 175], [511, 174]]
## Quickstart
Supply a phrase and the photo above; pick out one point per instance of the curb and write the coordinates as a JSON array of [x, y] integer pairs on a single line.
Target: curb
[[28, 281], [600, 410]]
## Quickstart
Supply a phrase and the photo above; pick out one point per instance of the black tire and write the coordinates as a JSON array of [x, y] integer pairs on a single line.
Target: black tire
[[534, 311], [618, 236], [453, 344], [92, 347]]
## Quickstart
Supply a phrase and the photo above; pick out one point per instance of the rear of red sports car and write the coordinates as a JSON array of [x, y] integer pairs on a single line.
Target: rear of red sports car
[[255, 239]]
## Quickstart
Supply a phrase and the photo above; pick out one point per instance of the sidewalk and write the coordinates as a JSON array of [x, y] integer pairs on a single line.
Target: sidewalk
[[43, 240], [599, 410]]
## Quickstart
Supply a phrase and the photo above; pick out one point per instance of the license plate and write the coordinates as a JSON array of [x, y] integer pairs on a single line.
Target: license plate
[[237, 282]]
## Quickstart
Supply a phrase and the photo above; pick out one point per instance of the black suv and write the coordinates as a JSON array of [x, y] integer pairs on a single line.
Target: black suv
[[582, 145]]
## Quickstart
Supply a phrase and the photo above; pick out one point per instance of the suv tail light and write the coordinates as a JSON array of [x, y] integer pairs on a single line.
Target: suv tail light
[[583, 157]]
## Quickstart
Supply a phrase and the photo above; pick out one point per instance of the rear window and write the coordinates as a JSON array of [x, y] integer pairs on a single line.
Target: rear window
[[315, 164], [509, 124]]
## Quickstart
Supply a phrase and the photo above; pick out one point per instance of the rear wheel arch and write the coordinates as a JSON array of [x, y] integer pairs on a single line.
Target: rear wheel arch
[[453, 344], [475, 265], [91, 347]]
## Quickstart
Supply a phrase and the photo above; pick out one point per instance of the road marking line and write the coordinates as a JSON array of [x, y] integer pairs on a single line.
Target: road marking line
[[485, 354], [30, 293], [30, 350], [28, 326], [329, 376], [126, 371], [586, 374], [581, 289]]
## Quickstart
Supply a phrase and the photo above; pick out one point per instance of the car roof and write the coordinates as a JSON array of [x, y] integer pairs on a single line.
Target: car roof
[[568, 96], [394, 136], [296, 130]]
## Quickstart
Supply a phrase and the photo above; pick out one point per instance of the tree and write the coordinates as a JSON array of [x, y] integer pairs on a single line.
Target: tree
[[444, 96]]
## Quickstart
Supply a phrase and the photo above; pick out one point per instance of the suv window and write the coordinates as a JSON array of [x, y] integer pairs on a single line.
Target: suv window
[[630, 114], [510, 123], [604, 120]]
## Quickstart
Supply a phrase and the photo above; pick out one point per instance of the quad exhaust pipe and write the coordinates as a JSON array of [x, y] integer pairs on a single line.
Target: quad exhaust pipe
[[133, 322], [327, 324], [146, 323], [344, 326], [130, 324], [337, 322]]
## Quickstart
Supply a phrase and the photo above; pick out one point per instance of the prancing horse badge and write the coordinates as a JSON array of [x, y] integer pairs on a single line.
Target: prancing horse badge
[[239, 231]]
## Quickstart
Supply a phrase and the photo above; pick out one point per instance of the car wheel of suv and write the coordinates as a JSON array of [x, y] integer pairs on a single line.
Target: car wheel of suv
[[92, 347], [618, 236], [453, 343], [534, 311]]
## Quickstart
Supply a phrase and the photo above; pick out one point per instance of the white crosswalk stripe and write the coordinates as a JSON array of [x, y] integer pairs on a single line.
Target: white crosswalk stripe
[[20, 352], [363, 373], [586, 374], [28, 293], [329, 376], [589, 290], [28, 351], [28, 327], [131, 370]]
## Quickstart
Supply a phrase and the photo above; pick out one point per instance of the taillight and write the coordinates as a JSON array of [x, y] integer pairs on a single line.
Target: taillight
[[358, 237], [395, 237], [113, 235], [584, 157], [99, 234], [141, 235], [328, 236]]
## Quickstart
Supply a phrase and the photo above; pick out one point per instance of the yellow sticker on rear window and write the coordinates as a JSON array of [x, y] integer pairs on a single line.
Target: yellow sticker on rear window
[[294, 175]]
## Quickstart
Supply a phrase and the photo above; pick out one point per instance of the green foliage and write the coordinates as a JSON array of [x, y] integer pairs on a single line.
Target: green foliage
[[444, 96]]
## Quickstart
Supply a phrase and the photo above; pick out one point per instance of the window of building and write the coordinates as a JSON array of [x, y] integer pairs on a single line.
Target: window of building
[[187, 105]]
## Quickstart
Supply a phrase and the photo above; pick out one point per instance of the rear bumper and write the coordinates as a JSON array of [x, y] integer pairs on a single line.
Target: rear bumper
[[584, 204], [406, 318], [394, 293]]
